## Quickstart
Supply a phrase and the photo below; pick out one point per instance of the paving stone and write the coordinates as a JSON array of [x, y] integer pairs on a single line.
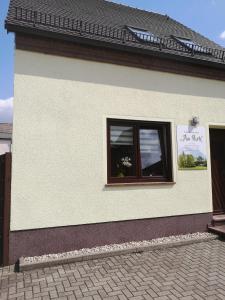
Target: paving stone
[[195, 271]]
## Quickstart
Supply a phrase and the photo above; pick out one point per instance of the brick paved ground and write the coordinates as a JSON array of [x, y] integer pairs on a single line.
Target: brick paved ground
[[190, 272]]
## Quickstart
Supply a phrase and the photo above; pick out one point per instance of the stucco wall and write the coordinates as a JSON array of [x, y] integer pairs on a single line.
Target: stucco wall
[[59, 151]]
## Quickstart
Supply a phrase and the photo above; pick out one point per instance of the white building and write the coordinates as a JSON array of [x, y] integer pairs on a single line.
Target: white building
[[101, 91], [5, 138]]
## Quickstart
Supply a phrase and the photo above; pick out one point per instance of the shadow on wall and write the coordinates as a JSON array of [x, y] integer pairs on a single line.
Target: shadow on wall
[[118, 188], [62, 68]]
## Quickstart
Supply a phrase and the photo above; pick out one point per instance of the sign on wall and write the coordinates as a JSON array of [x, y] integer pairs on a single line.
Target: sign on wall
[[191, 142]]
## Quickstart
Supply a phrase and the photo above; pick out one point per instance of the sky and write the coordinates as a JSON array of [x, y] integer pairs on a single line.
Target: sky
[[6, 67], [204, 16]]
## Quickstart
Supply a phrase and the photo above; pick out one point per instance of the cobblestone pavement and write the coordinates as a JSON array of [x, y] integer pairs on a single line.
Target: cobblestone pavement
[[195, 271]]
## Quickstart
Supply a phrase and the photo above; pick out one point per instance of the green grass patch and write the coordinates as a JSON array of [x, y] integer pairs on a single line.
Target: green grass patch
[[194, 168]]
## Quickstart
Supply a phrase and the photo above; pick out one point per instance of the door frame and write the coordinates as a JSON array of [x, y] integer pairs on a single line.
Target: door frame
[[212, 126], [6, 207]]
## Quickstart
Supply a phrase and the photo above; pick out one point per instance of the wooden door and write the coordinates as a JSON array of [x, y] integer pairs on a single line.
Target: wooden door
[[217, 146]]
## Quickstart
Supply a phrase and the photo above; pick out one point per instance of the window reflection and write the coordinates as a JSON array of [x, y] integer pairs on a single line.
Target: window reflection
[[151, 152], [122, 151]]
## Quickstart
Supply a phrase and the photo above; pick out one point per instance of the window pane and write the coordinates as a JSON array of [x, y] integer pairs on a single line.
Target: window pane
[[145, 35], [192, 45], [122, 151], [150, 152]]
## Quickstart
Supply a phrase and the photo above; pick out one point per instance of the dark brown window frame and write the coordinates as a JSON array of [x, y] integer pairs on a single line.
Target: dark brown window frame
[[165, 129]]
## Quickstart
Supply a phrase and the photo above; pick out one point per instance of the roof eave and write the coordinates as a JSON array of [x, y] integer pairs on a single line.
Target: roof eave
[[116, 46]]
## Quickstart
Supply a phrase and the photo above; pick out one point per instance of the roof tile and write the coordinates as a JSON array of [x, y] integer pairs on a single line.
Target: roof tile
[[109, 14], [6, 128]]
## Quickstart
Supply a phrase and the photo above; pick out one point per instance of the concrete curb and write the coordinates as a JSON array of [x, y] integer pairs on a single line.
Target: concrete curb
[[26, 266]]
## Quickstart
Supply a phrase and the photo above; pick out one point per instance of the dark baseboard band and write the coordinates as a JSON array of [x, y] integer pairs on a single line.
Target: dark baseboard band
[[61, 239]]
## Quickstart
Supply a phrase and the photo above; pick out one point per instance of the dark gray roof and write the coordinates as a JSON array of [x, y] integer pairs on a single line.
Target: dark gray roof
[[5, 130], [104, 21]]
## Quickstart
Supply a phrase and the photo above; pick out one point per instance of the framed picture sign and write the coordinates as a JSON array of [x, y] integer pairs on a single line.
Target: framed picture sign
[[191, 143]]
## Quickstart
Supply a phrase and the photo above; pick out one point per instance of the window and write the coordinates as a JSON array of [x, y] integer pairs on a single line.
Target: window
[[144, 35], [192, 45], [138, 151]]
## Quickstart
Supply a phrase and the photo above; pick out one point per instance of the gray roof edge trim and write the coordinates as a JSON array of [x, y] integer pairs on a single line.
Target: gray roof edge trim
[[5, 136]]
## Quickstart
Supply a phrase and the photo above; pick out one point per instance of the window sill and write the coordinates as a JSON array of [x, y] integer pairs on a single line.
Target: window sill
[[140, 183]]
